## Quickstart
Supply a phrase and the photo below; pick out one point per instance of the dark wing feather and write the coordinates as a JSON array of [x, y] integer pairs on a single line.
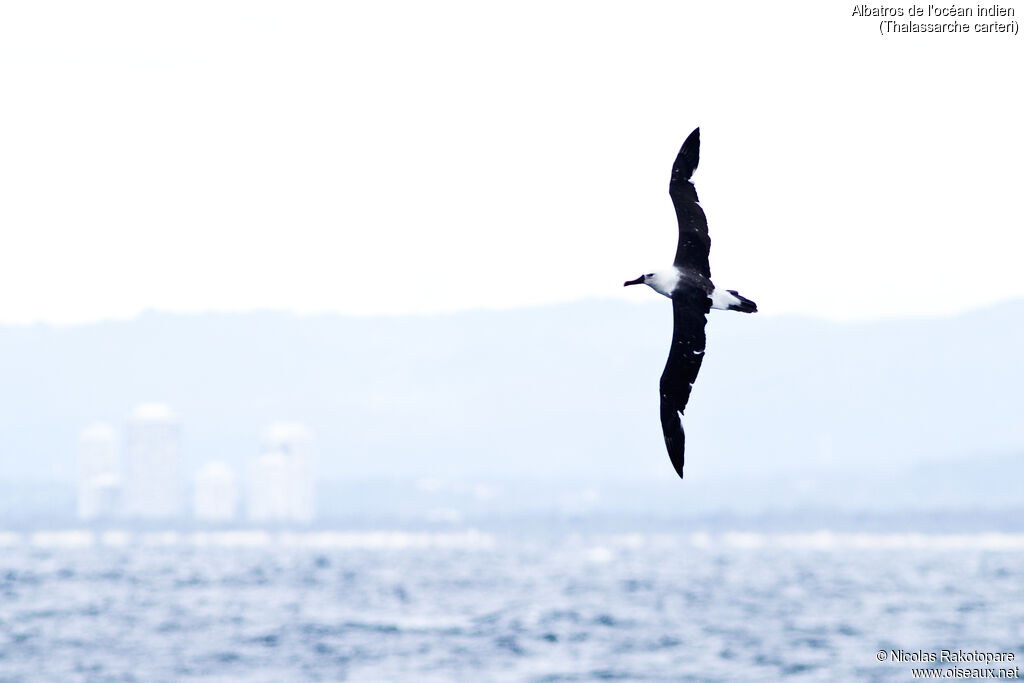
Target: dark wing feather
[[690, 307], [694, 242]]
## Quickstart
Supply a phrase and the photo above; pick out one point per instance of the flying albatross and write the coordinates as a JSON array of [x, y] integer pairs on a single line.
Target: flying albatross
[[688, 284]]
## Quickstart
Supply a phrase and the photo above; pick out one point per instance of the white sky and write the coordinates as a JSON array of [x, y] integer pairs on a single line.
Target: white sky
[[398, 157]]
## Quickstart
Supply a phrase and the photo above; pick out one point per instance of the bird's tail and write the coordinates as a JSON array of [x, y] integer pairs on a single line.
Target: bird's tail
[[744, 306]]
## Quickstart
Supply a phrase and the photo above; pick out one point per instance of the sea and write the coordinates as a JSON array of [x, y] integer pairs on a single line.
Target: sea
[[475, 605]]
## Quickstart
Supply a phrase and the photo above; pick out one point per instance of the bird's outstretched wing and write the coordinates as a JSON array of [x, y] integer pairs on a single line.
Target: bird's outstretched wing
[[690, 307], [694, 242]]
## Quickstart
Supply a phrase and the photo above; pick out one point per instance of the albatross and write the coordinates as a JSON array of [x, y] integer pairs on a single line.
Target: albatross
[[688, 284]]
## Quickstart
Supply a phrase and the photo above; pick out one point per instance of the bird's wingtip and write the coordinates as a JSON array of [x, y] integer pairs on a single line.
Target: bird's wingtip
[[687, 159]]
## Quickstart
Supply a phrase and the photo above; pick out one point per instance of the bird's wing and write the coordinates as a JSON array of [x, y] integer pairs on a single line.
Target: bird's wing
[[690, 307], [694, 242]]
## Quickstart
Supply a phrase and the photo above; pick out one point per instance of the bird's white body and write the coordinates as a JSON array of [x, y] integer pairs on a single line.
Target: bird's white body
[[724, 300], [664, 282]]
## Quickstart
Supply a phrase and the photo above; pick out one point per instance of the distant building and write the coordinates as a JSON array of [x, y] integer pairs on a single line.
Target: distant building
[[99, 483], [269, 496], [281, 479], [152, 463], [216, 493]]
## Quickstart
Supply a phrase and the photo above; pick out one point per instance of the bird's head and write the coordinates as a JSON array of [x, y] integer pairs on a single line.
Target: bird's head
[[639, 281]]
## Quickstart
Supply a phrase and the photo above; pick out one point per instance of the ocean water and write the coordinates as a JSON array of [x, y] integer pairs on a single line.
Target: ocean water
[[476, 606]]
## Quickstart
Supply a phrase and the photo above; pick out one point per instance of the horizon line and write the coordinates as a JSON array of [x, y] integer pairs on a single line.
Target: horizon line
[[138, 315]]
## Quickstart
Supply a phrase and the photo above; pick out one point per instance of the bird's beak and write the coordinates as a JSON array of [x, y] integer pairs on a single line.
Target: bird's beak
[[638, 281]]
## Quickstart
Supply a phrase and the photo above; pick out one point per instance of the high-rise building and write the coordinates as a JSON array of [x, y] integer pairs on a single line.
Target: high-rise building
[[152, 463], [216, 493], [268, 491], [281, 479], [99, 483]]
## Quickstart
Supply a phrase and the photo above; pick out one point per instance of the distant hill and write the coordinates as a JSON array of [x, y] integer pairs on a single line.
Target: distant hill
[[786, 410]]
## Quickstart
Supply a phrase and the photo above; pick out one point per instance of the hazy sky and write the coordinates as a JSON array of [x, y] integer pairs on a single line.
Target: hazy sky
[[398, 157]]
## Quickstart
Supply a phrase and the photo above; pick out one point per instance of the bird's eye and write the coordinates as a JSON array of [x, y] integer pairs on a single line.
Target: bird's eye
[[649, 275]]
